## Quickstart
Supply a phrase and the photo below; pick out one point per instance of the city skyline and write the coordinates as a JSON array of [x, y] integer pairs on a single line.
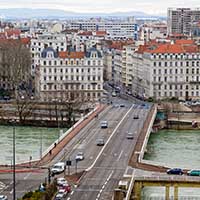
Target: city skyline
[[88, 6]]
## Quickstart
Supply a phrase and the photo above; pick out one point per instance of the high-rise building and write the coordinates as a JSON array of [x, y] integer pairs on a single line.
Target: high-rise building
[[181, 20]]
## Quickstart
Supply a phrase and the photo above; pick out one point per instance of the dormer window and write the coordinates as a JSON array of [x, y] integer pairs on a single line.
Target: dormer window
[[50, 54]]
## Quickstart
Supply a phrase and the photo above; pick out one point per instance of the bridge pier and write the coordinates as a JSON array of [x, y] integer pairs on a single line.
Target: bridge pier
[[167, 192], [175, 192], [137, 190]]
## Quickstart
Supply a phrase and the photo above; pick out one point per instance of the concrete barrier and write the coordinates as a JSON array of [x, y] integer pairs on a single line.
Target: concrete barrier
[[141, 155]]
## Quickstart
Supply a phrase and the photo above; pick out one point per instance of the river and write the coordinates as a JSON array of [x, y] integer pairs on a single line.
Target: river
[[29, 142], [175, 149]]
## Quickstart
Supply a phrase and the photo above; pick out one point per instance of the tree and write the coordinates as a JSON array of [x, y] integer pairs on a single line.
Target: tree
[[15, 66], [15, 71]]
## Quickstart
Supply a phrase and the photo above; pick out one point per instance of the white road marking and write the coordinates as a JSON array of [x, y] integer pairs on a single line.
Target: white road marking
[[11, 191], [27, 176], [120, 155], [72, 192], [89, 168], [103, 186], [68, 198]]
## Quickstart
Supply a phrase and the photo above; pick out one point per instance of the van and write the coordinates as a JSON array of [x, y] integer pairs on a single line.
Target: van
[[104, 124], [194, 172], [58, 168]]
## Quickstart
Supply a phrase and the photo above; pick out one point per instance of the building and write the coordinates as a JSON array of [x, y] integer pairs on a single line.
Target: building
[[116, 29], [181, 20], [166, 70], [152, 31], [69, 75], [38, 43]]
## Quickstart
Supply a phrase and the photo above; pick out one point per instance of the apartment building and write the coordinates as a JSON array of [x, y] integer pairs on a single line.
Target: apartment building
[[69, 75], [181, 20], [152, 31], [39, 42], [116, 29], [166, 70]]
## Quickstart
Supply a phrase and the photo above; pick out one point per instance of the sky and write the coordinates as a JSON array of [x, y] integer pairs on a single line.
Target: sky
[[107, 6]]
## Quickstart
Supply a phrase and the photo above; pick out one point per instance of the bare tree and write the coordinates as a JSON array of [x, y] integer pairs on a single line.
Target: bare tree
[[15, 67]]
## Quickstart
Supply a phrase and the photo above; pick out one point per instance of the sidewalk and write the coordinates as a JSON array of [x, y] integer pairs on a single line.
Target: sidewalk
[[51, 155]]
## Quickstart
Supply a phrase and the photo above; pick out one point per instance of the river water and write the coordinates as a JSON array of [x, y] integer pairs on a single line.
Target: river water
[[29, 142], [174, 149]]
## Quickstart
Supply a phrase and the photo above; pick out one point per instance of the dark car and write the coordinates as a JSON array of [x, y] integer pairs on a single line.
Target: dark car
[[135, 117], [176, 171]]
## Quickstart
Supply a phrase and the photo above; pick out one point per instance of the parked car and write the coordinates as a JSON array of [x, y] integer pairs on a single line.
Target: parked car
[[61, 181], [194, 172], [129, 136], [177, 171], [100, 142], [114, 94], [79, 156], [58, 168], [66, 188], [3, 197], [61, 194]]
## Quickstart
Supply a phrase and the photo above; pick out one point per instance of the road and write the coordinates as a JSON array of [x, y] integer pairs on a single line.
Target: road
[[100, 181], [108, 169]]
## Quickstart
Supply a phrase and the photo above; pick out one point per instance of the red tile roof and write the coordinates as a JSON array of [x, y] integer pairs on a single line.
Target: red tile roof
[[85, 33], [181, 46], [65, 54]]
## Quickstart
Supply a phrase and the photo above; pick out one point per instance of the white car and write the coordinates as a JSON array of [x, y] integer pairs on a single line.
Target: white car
[[61, 181], [58, 168], [61, 194], [79, 156], [3, 197]]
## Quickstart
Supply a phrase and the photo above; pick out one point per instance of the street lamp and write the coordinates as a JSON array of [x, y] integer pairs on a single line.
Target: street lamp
[[41, 140], [14, 177]]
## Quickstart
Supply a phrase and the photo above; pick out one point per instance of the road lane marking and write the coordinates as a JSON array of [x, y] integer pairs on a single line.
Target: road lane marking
[[103, 186], [115, 130], [68, 198], [120, 155], [11, 191], [72, 193], [27, 176]]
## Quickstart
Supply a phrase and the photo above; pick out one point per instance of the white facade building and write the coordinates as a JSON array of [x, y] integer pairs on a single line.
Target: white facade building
[[167, 70], [117, 29], [56, 41], [70, 75]]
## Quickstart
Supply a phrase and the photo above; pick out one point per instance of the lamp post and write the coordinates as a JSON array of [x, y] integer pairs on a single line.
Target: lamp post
[[14, 194], [41, 140]]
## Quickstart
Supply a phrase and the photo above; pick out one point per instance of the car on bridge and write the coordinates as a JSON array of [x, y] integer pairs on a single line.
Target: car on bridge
[[104, 124], [176, 171], [79, 156], [100, 142], [129, 136], [194, 172]]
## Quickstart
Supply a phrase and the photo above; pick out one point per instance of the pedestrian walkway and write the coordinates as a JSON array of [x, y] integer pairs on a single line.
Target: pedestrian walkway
[[58, 147]]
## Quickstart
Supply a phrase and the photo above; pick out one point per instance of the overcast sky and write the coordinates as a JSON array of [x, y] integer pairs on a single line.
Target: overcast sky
[[148, 6]]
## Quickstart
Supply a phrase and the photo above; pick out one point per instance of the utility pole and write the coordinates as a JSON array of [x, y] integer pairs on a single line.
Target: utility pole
[[14, 196]]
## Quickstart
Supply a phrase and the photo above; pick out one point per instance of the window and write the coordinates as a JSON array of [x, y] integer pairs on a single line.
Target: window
[[44, 70]]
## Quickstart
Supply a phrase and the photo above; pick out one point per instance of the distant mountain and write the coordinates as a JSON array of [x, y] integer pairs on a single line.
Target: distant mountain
[[26, 13]]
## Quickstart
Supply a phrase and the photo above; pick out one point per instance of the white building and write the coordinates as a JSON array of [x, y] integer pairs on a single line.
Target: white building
[[70, 75], [116, 29], [166, 70]]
